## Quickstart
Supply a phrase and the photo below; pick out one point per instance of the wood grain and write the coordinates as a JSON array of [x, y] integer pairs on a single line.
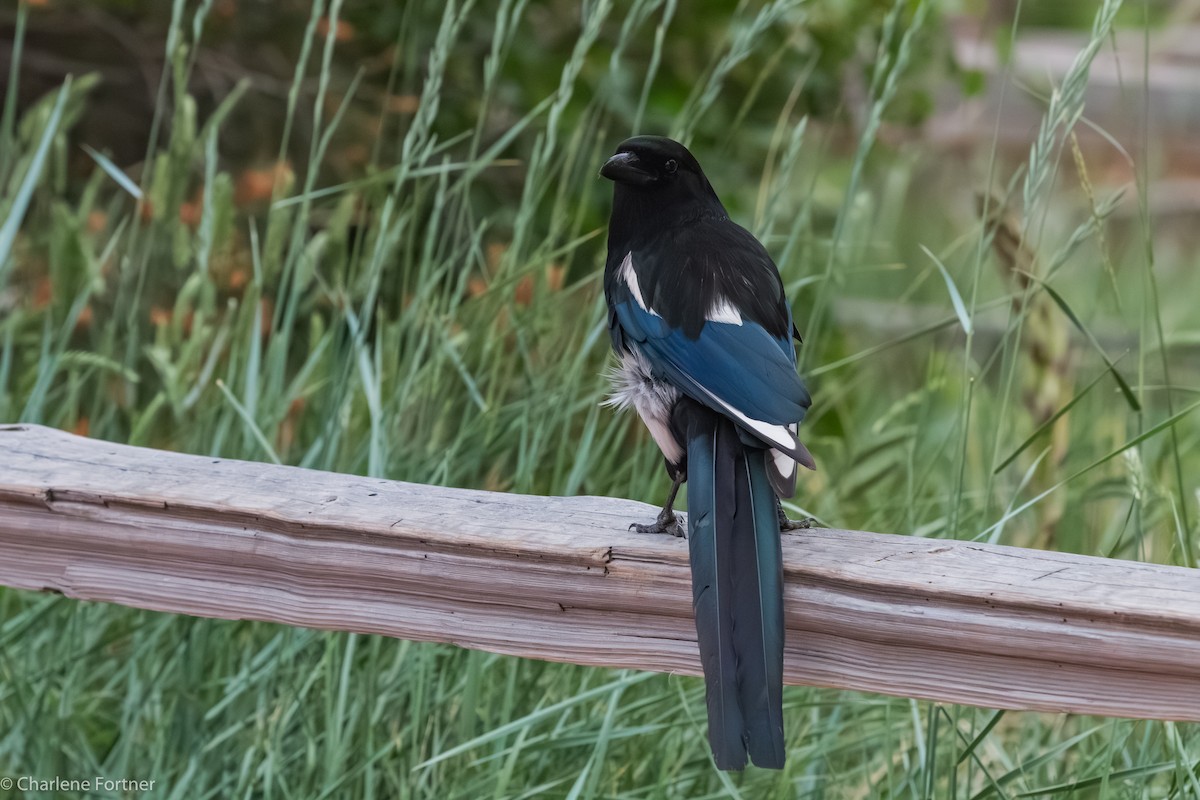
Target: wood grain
[[563, 579]]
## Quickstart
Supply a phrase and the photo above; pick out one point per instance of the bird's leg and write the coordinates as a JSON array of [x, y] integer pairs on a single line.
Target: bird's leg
[[667, 521], [786, 524]]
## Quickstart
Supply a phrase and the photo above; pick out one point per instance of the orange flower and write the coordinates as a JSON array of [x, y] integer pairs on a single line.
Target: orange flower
[[523, 294], [96, 221], [402, 103], [555, 274], [268, 314], [237, 279], [43, 293], [492, 255], [254, 186], [190, 213], [476, 286], [344, 33]]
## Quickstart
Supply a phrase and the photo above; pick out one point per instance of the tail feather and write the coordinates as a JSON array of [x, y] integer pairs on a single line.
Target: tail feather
[[711, 479], [758, 612], [737, 590]]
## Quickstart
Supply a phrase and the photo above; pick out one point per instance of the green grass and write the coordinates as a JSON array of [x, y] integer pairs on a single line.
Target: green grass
[[438, 318]]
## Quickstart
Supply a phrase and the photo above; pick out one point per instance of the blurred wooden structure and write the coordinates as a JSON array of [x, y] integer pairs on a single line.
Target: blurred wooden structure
[[563, 579]]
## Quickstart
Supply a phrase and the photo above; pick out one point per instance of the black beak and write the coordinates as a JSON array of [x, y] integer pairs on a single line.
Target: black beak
[[627, 168]]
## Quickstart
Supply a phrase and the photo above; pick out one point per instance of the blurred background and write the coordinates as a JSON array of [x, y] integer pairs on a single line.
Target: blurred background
[[368, 238]]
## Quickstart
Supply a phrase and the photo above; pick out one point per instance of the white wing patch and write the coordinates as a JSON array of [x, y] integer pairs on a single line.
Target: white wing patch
[[626, 273], [778, 435], [784, 463], [724, 311]]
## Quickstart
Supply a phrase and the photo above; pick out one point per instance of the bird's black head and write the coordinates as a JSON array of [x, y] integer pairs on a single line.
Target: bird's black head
[[652, 162], [657, 181]]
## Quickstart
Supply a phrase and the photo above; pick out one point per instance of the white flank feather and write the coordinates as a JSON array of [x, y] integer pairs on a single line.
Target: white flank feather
[[635, 387]]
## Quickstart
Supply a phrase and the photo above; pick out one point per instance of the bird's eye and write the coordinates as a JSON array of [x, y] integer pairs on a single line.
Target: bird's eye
[[671, 166]]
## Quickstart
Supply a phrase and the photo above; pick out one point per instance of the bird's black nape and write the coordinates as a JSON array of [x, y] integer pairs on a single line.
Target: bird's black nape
[[657, 181]]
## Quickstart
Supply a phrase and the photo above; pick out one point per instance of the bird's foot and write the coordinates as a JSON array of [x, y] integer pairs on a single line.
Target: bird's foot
[[786, 524], [667, 522]]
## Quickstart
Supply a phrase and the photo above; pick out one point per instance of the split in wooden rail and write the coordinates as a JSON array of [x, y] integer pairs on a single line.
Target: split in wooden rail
[[562, 579]]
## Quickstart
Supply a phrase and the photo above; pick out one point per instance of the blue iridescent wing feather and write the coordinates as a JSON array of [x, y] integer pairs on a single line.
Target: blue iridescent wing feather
[[742, 365]]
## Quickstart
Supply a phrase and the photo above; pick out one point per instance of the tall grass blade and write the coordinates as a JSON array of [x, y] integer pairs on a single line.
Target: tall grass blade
[[1049, 423], [15, 211], [1135, 441], [1126, 390], [960, 308], [114, 172]]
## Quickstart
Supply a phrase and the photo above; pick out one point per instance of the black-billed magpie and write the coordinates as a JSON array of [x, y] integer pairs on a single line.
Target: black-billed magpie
[[703, 332]]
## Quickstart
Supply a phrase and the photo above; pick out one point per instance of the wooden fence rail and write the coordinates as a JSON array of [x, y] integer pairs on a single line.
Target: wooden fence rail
[[562, 579]]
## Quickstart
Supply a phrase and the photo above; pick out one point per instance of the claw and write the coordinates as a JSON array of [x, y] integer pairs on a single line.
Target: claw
[[666, 523], [786, 524]]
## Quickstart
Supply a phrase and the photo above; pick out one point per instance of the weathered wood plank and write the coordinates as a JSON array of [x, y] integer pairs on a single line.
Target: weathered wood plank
[[562, 579]]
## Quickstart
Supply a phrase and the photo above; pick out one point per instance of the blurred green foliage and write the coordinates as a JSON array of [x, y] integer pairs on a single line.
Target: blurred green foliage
[[371, 243]]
